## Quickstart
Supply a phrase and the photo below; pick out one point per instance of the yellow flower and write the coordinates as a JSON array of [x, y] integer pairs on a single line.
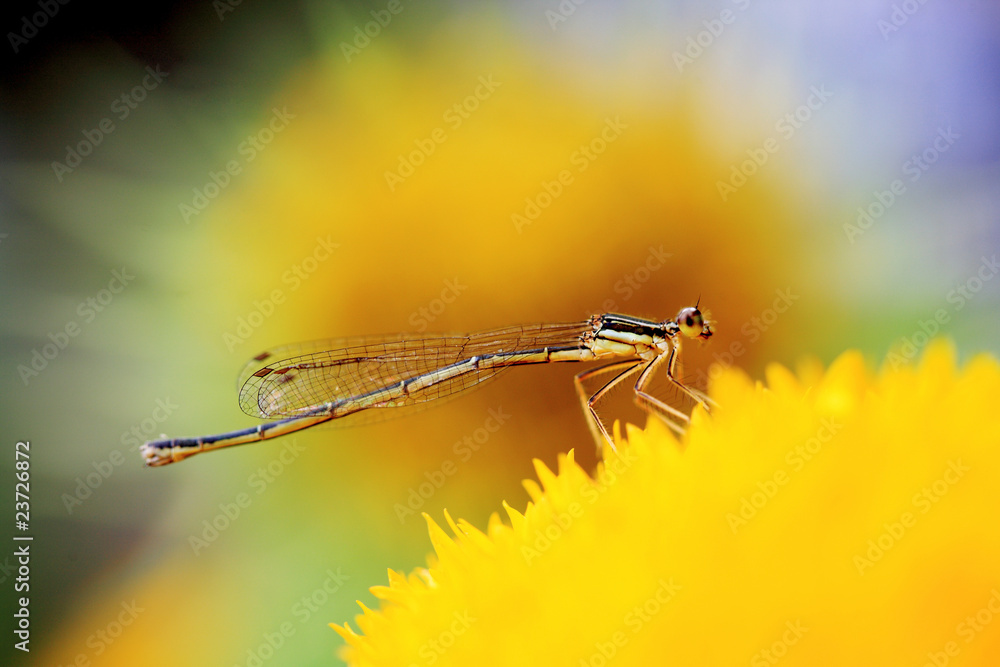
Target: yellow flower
[[829, 518]]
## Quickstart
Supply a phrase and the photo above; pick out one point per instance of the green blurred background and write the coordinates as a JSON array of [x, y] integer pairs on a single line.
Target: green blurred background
[[186, 185]]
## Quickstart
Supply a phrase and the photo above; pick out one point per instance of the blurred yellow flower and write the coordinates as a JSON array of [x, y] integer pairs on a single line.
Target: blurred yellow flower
[[830, 518]]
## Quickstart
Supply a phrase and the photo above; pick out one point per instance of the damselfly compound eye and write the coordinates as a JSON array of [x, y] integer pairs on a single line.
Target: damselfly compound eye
[[690, 322]]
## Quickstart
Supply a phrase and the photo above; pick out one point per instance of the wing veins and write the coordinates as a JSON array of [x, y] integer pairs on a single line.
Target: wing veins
[[338, 371]]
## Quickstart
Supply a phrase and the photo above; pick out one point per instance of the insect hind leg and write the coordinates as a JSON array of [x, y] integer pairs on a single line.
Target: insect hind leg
[[588, 400]]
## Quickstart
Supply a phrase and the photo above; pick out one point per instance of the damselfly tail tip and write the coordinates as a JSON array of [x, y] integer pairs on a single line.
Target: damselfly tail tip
[[157, 453]]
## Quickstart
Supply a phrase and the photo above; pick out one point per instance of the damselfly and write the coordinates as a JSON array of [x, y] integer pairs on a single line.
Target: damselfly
[[312, 383]]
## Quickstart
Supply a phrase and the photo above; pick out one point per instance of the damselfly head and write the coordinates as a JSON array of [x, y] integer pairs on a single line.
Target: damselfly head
[[693, 324]]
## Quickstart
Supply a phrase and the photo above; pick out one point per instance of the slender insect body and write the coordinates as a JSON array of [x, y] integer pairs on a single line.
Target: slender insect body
[[313, 383]]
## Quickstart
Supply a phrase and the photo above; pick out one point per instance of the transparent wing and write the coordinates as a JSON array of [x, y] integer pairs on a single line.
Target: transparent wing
[[285, 381]]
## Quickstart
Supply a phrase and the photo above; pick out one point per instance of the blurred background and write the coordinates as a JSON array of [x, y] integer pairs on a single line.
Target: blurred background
[[186, 185]]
